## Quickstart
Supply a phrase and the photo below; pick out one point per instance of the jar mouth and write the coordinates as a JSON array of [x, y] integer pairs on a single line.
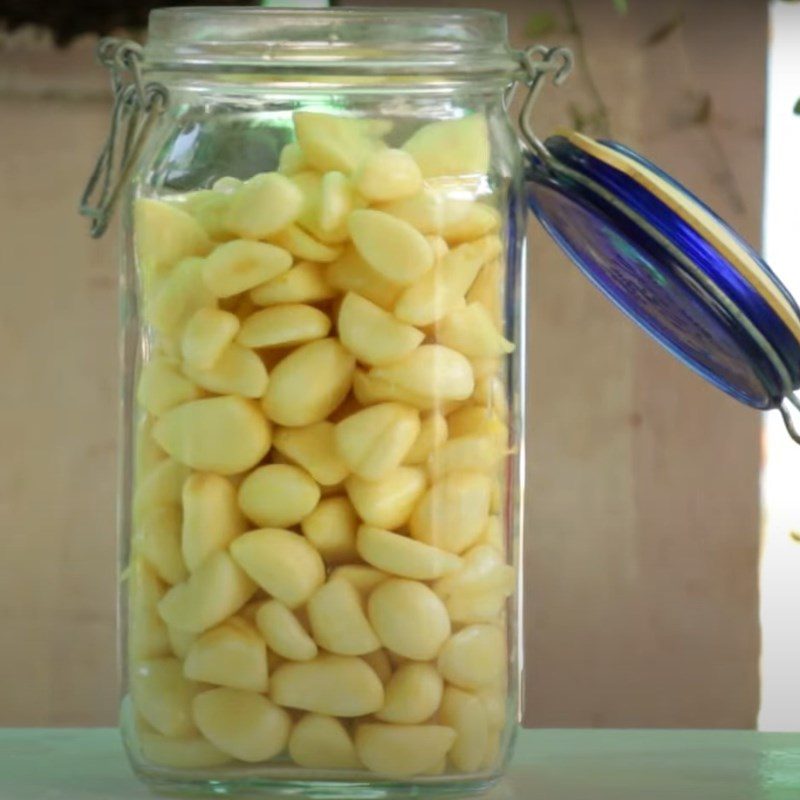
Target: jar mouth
[[394, 41]]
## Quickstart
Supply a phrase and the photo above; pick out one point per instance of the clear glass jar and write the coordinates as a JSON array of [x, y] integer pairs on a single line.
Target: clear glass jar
[[324, 345]]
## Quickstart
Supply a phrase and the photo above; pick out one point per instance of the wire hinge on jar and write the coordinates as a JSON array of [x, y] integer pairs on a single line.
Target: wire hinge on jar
[[790, 406], [137, 106], [541, 62]]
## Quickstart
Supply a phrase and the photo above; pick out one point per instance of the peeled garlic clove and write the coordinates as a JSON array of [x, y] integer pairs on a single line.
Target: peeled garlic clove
[[237, 370], [291, 160], [243, 724], [478, 453], [409, 618], [362, 577], [331, 528], [160, 487], [431, 371], [240, 265], [148, 636], [389, 245], [432, 435], [339, 686], [303, 283], [338, 622], [302, 245], [453, 513], [413, 694], [451, 147], [307, 385], [163, 696], [372, 335], [232, 654], [278, 495], [331, 141], [263, 205], [403, 556], [178, 297], [335, 202], [466, 715], [225, 435], [389, 502], [401, 751], [388, 174], [321, 742], [281, 562], [470, 331], [217, 589], [284, 326], [474, 657], [186, 753], [207, 335], [375, 440], [368, 390], [159, 541], [165, 235], [351, 273], [162, 386], [283, 632], [313, 447]]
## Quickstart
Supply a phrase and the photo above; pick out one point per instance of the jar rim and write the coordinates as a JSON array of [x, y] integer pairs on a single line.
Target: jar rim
[[394, 40]]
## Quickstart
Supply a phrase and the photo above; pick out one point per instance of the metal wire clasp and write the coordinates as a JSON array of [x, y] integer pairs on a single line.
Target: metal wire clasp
[[792, 427], [539, 63], [136, 108]]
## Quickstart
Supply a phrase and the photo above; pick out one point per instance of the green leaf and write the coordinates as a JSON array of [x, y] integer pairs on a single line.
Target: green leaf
[[797, 107], [540, 24], [621, 6]]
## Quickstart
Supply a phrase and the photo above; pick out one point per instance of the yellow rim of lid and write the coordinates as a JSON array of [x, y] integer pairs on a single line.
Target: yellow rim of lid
[[700, 219]]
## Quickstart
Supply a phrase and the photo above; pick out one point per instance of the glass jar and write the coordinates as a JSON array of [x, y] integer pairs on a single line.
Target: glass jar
[[323, 327]]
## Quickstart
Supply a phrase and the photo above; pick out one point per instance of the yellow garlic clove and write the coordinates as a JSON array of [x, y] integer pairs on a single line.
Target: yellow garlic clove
[[375, 440], [432, 435], [339, 686], [466, 220], [367, 390], [281, 562], [477, 421], [413, 694], [478, 453], [226, 185], [209, 208], [387, 503], [163, 696], [401, 751], [211, 517], [388, 174], [307, 385], [335, 202], [303, 283], [390, 245], [451, 147], [240, 265], [351, 273], [291, 160], [284, 326], [159, 542], [321, 742], [453, 513], [373, 335], [466, 715], [243, 724], [487, 290], [409, 618], [263, 205], [180, 641], [284, 633], [217, 589], [338, 622], [148, 455], [161, 487], [474, 657], [207, 335], [330, 141], [313, 447], [403, 556], [237, 370], [162, 386], [362, 577], [482, 570], [331, 528], [470, 331], [225, 435], [185, 753], [425, 211], [304, 246], [178, 297], [164, 235], [278, 495], [431, 371], [441, 290], [494, 535], [147, 637], [494, 699], [232, 654]]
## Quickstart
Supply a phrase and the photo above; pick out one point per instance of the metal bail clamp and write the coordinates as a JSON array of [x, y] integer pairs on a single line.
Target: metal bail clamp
[[137, 106]]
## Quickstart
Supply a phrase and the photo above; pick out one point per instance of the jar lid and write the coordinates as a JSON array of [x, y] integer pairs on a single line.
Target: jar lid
[[672, 265]]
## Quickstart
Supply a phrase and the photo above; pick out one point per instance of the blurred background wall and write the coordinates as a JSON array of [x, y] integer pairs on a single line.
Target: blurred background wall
[[642, 508]]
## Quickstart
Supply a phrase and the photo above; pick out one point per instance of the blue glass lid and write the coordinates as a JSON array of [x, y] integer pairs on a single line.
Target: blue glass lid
[[670, 264]]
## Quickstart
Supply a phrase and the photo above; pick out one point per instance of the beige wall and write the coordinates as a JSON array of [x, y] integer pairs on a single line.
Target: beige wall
[[642, 491]]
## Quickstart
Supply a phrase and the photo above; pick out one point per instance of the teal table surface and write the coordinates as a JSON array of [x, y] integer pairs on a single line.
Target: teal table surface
[[88, 764]]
